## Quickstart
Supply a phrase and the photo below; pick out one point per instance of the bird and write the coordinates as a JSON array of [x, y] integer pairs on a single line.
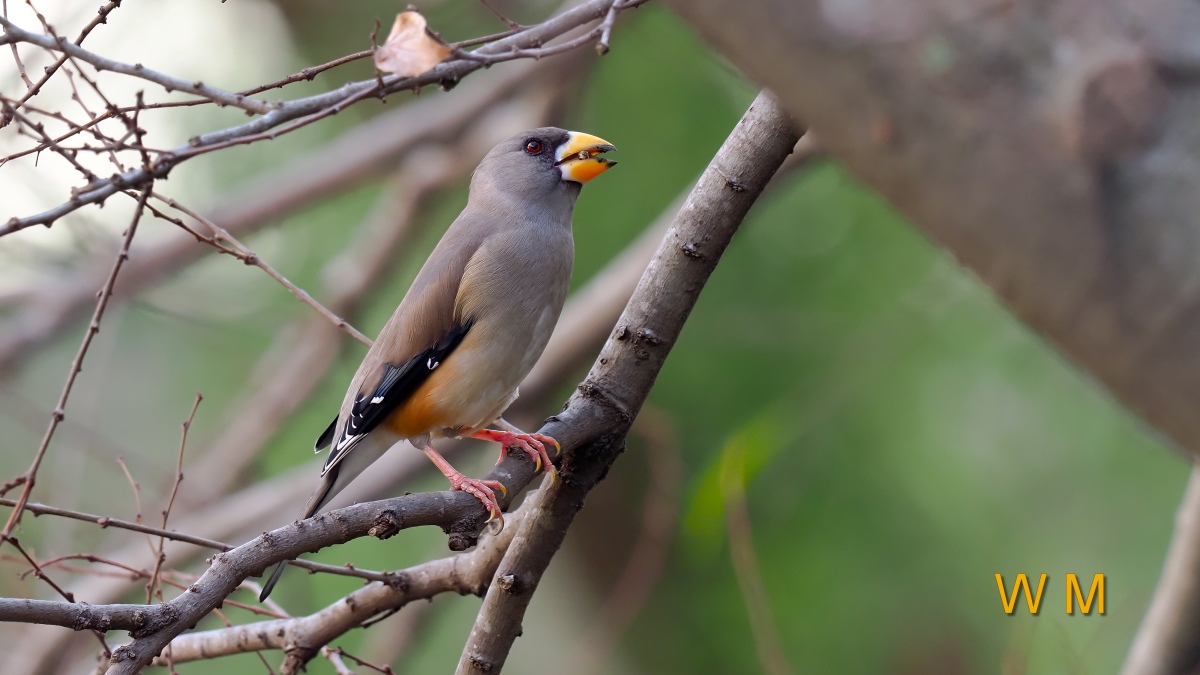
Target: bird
[[473, 323]]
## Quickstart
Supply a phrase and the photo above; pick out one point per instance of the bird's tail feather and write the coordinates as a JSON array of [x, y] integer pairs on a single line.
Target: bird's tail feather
[[364, 454]]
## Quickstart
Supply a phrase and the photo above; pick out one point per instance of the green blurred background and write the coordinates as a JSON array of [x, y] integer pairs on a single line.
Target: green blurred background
[[900, 437]]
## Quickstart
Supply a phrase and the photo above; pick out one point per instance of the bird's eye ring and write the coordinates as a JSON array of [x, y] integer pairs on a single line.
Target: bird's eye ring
[[533, 146]]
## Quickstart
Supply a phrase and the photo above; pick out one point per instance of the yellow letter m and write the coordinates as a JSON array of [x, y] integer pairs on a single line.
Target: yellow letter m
[[1009, 602], [1075, 594]]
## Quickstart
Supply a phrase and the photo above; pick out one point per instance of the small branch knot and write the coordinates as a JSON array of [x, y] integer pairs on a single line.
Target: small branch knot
[[691, 250], [461, 541], [510, 583], [385, 525], [481, 664], [398, 581]]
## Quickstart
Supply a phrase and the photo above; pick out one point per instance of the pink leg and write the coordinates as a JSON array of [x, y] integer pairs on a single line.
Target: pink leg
[[483, 490], [533, 444]]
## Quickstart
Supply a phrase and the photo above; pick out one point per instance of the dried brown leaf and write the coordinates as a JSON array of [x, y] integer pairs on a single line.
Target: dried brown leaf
[[409, 50]]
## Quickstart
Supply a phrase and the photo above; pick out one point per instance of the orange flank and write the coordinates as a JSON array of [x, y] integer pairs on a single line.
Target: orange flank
[[421, 414]]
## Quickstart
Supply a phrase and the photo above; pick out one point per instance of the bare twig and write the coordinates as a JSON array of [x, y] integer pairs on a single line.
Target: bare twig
[[335, 659], [606, 27], [507, 21], [160, 558], [29, 478], [337, 165], [14, 34], [36, 87], [41, 574], [104, 521], [745, 565], [385, 670], [1166, 643], [290, 115], [614, 391], [241, 252]]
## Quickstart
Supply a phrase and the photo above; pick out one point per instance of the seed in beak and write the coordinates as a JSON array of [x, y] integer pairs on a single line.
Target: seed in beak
[[583, 154]]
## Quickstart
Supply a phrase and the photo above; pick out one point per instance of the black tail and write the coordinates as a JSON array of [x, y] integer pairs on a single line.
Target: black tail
[[272, 581], [320, 496]]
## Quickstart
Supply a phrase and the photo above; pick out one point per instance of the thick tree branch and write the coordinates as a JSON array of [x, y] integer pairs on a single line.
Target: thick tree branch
[[82, 616], [609, 399], [459, 513], [303, 637]]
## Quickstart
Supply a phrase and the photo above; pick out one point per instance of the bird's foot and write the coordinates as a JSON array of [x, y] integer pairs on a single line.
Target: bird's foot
[[483, 490], [534, 445]]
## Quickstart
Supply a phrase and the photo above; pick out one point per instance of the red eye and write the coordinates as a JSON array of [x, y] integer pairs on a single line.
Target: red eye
[[533, 147]]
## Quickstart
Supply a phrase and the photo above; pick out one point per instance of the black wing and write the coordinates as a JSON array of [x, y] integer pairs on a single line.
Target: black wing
[[326, 437], [399, 381]]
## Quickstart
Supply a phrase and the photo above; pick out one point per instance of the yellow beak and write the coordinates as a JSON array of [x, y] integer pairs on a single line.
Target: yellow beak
[[578, 158]]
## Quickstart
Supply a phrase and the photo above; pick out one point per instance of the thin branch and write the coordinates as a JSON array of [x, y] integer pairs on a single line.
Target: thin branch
[[104, 521], [309, 73], [745, 566], [614, 391], [291, 115], [136, 491], [606, 27], [14, 34], [1167, 641], [384, 670], [160, 558], [41, 574], [241, 252], [335, 166], [335, 659], [29, 478], [507, 21], [36, 87]]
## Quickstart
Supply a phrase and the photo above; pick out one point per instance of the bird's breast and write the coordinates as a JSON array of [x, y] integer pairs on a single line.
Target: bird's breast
[[513, 294]]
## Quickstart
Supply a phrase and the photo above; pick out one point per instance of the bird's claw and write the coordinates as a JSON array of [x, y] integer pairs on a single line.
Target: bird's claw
[[485, 492], [533, 445]]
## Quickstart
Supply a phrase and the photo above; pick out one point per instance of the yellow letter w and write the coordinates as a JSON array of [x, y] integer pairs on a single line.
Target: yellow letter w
[[1010, 602]]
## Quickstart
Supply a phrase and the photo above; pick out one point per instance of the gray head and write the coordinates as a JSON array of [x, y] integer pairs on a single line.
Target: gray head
[[541, 166]]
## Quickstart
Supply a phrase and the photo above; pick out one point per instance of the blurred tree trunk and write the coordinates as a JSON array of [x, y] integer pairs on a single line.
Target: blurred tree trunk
[[1051, 147]]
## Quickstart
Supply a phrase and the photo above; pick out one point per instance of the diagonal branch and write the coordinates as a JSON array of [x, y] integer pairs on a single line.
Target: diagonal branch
[[1167, 642], [613, 393]]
